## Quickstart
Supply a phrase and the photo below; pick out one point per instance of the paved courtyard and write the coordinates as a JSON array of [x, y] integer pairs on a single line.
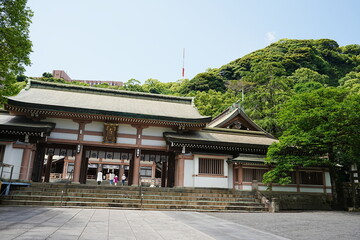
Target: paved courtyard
[[76, 223]]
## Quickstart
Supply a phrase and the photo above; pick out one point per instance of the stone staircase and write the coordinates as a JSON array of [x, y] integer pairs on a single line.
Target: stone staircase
[[124, 197]]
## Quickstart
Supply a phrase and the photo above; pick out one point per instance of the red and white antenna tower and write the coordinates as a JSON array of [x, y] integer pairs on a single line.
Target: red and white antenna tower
[[183, 68]]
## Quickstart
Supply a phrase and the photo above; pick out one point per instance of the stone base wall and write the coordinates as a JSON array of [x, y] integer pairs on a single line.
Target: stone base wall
[[301, 201]]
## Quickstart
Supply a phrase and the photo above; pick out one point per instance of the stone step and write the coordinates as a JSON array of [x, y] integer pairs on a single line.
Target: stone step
[[124, 195], [108, 187], [137, 192], [134, 206], [132, 192], [128, 200], [186, 199]]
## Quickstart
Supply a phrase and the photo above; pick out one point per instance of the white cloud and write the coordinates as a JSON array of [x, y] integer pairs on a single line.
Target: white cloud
[[270, 36]]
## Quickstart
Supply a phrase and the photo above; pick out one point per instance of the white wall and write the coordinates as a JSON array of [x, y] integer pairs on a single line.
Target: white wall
[[327, 179], [126, 140], [283, 189], [95, 126], [93, 138], [126, 129], [155, 131], [212, 182], [67, 136], [153, 143], [63, 123], [312, 190], [13, 156], [191, 170]]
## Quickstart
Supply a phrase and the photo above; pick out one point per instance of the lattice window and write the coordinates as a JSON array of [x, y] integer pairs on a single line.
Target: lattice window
[[211, 166], [312, 178], [145, 171], [250, 174]]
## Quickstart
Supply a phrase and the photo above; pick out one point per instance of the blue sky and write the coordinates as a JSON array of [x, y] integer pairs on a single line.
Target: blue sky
[[118, 40]]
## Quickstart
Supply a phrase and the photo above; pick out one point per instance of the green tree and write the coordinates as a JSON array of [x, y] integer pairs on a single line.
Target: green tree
[[154, 86], [21, 78], [47, 75], [212, 103], [304, 75], [204, 82], [307, 87], [351, 81], [133, 85], [264, 102], [321, 127], [15, 45]]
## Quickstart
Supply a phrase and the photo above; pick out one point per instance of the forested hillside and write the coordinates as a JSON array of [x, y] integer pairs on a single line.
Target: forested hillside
[[268, 77]]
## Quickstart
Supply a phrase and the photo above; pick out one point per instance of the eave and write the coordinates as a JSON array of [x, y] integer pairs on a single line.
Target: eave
[[38, 111]]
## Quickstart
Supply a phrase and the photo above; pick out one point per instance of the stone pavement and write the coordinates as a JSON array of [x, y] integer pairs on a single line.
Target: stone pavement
[[76, 223], [329, 225]]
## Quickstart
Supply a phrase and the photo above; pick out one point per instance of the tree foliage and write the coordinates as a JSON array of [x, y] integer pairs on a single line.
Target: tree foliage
[[15, 46], [321, 129], [212, 103]]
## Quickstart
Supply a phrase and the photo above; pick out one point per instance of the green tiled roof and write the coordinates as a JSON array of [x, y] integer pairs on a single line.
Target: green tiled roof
[[23, 124], [90, 100], [225, 137]]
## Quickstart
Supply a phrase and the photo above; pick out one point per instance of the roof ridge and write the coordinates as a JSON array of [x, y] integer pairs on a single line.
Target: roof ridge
[[103, 91], [227, 130]]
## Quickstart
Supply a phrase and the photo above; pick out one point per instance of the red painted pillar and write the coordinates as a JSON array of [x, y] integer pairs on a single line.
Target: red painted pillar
[[48, 168], [136, 168], [25, 163], [77, 164]]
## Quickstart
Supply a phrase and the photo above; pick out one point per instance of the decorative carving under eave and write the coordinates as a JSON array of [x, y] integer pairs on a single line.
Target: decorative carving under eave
[[237, 125], [110, 132]]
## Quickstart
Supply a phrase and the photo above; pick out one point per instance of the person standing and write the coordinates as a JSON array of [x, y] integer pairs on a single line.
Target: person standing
[[123, 178], [99, 178], [116, 180], [111, 178]]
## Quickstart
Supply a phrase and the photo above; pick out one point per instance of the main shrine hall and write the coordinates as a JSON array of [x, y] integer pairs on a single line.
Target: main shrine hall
[[52, 132]]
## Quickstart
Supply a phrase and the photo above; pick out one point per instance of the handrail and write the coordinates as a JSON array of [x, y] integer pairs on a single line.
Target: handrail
[[2, 165], [66, 186], [272, 206], [7, 189], [140, 192], [264, 200]]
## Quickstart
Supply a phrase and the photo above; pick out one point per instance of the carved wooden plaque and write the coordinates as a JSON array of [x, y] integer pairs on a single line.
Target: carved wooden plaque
[[110, 132]]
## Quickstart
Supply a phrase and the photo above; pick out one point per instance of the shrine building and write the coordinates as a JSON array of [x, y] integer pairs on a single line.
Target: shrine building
[[53, 132]]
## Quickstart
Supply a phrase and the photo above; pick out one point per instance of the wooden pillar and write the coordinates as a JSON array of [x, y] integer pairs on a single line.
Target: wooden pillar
[[84, 168], [153, 170], [179, 171], [163, 174], [135, 163], [66, 163], [130, 172], [48, 168], [25, 162], [38, 163], [240, 176], [79, 152], [136, 168], [77, 163], [297, 176], [234, 169], [324, 180], [171, 171], [31, 164], [121, 171]]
